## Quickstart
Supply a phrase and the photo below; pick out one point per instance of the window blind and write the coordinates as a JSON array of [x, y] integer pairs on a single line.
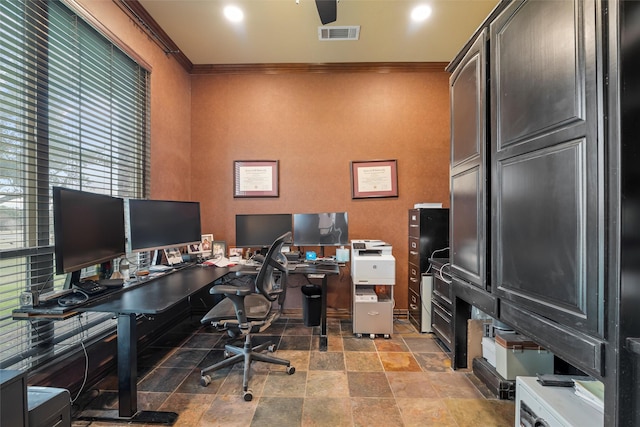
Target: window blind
[[74, 112]]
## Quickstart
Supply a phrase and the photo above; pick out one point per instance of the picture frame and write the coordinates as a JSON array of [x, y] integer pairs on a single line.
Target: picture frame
[[236, 252], [218, 249], [255, 178], [173, 256], [195, 248], [206, 240], [374, 178]]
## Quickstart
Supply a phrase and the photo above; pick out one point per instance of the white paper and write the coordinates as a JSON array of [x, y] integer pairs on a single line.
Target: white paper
[[255, 178]]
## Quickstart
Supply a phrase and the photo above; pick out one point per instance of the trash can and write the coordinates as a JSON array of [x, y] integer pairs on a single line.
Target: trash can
[[311, 304]]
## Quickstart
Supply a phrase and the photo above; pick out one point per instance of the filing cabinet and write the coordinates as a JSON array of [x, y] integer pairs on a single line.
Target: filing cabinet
[[428, 233]]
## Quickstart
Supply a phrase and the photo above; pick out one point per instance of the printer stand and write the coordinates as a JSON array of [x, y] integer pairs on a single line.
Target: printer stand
[[372, 310]]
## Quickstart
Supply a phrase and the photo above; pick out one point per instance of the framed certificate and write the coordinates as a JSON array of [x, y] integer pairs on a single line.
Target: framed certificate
[[255, 178], [374, 178]]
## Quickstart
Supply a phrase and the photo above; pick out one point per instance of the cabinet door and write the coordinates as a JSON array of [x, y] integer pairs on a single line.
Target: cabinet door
[[546, 190], [468, 166]]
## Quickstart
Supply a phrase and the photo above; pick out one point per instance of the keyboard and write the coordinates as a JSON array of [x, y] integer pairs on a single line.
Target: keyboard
[[90, 287]]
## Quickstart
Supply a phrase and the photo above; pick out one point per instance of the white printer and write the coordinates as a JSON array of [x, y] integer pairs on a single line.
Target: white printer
[[372, 263]]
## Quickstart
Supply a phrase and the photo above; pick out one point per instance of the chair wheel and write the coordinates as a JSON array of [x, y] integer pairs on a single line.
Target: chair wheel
[[271, 348], [205, 380], [358, 335], [372, 336], [247, 396], [387, 336], [291, 370]]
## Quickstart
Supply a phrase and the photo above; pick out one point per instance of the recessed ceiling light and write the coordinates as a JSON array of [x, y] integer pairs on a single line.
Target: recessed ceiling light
[[420, 13], [233, 13]]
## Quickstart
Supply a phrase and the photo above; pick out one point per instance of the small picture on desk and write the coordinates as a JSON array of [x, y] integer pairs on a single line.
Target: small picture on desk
[[236, 252], [173, 256], [194, 249], [205, 244], [218, 249]]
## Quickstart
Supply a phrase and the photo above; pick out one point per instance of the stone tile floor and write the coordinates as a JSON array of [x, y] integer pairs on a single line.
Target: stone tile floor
[[405, 380]]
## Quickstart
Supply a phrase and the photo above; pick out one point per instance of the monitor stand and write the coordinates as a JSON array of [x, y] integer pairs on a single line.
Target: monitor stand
[[71, 279]]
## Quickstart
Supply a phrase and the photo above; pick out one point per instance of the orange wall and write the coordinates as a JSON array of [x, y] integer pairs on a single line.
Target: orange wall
[[315, 125]]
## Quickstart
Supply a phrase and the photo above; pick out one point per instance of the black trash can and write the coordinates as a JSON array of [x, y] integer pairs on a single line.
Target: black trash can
[[311, 304]]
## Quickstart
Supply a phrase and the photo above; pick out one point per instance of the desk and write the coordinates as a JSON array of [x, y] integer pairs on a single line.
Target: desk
[[156, 296]]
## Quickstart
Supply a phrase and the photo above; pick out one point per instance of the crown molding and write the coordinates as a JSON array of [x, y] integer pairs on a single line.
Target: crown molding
[[141, 17], [341, 67]]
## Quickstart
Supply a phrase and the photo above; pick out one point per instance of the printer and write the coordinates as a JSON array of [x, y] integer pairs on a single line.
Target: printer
[[372, 263]]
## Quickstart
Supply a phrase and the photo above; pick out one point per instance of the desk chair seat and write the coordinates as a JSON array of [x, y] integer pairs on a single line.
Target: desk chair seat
[[249, 308]]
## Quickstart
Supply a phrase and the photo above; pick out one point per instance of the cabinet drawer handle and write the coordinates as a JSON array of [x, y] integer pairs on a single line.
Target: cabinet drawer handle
[[373, 313]]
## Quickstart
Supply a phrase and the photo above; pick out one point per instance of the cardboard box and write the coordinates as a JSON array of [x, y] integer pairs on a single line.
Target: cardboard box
[[517, 355]]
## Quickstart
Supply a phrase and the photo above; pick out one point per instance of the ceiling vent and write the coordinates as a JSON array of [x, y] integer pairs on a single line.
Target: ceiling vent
[[339, 33]]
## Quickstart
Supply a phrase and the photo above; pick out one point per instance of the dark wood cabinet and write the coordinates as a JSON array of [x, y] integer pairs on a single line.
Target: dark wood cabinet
[[546, 187], [468, 166], [561, 90]]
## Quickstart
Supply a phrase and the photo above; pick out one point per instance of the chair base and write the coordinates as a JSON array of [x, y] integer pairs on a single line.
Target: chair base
[[246, 354]]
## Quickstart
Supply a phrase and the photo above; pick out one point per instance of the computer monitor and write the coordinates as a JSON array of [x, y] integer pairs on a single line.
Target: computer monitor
[[320, 229], [161, 224], [260, 230], [88, 230]]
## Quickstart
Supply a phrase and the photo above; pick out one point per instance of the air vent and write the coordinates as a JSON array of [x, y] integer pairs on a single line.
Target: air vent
[[339, 33]]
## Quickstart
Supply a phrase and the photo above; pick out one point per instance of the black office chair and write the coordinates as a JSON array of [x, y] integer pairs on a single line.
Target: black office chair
[[247, 309]]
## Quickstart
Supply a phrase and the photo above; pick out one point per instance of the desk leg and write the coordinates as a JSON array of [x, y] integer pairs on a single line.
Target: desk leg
[[323, 322], [127, 383], [127, 365]]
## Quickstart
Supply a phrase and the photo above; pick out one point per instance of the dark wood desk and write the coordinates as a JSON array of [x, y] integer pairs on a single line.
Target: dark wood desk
[[153, 297], [156, 296]]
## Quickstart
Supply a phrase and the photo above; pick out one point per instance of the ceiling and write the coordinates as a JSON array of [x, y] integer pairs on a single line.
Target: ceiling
[[283, 31]]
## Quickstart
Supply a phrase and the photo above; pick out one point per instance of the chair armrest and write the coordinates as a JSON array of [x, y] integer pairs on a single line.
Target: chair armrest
[[232, 290]]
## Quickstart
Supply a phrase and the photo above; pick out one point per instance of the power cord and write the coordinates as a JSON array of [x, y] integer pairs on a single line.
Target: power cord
[[72, 299], [431, 256], [440, 272]]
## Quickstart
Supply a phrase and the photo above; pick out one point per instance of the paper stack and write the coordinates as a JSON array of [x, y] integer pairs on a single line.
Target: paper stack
[[591, 392]]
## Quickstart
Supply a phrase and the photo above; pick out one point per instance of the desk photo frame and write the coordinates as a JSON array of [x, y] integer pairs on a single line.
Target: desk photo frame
[[255, 178], [219, 249], [374, 178], [206, 240]]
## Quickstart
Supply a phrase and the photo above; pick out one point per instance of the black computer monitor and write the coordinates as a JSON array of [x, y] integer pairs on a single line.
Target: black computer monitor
[[161, 224], [320, 229], [88, 230], [260, 230]]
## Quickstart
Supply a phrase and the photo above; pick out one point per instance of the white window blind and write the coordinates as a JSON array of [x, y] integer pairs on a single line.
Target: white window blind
[[74, 112]]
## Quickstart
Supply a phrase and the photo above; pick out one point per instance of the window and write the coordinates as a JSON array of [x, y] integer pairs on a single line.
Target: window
[[73, 113]]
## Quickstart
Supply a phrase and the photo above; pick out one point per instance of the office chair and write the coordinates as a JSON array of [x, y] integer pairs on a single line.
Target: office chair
[[247, 309]]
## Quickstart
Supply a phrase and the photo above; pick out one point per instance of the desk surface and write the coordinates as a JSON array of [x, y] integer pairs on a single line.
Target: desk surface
[[159, 294]]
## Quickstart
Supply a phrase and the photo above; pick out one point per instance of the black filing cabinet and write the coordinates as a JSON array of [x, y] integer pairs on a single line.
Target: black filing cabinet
[[428, 233]]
